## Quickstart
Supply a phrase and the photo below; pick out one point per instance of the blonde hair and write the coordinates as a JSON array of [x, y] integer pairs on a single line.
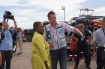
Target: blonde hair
[[81, 25]]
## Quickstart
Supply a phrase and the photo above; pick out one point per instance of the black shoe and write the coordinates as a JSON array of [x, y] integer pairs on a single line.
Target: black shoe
[[70, 60], [76, 66], [87, 67], [14, 51], [19, 53]]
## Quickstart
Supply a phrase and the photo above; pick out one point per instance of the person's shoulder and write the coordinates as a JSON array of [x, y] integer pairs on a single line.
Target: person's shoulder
[[37, 36], [98, 30], [88, 31], [60, 23]]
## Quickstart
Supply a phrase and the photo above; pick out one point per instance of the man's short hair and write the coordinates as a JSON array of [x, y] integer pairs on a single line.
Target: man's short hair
[[51, 12], [36, 24]]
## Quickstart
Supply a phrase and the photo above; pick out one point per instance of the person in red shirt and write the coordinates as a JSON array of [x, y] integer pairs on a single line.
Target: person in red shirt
[[73, 46]]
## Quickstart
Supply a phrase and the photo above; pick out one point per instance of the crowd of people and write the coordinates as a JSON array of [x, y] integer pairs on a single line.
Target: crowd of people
[[49, 44], [10, 38]]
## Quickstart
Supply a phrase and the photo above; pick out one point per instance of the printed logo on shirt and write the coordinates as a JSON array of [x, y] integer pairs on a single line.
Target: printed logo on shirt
[[60, 30]]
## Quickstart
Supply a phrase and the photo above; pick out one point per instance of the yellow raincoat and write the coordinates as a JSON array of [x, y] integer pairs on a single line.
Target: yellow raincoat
[[40, 52]]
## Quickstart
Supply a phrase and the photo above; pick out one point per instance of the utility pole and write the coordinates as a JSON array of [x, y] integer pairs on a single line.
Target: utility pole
[[63, 8]]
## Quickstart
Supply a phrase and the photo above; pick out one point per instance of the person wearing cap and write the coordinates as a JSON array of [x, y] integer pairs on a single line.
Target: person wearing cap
[[82, 46], [100, 42]]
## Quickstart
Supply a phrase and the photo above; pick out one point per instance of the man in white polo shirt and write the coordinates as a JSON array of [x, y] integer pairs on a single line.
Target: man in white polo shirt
[[100, 42]]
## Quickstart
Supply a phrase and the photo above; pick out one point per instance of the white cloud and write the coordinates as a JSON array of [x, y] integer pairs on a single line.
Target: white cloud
[[9, 2], [100, 11], [28, 11]]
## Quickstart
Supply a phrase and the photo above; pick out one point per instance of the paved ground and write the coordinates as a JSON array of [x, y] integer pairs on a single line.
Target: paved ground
[[23, 61]]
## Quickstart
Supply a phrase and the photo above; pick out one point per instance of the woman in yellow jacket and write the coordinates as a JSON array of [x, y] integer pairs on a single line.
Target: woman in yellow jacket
[[40, 48]]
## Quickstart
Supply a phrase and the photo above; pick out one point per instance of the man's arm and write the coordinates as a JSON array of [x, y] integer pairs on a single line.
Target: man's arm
[[96, 39], [94, 46], [15, 25], [69, 28], [78, 32], [90, 36], [72, 36], [94, 49]]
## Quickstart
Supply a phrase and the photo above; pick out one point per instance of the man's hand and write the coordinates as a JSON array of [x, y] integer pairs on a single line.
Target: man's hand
[[47, 67], [87, 41], [51, 45], [46, 64], [94, 54], [76, 39]]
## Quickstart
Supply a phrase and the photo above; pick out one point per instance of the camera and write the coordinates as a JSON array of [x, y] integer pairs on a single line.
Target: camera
[[8, 15]]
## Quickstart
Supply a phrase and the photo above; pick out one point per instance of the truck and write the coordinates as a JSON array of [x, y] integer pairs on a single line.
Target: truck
[[29, 34]]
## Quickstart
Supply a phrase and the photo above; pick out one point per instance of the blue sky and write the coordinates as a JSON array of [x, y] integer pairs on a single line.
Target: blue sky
[[27, 12]]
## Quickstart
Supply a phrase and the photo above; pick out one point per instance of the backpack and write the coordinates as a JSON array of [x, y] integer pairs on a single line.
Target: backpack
[[13, 35], [2, 36]]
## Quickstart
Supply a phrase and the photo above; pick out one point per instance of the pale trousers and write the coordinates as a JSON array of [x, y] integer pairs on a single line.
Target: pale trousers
[[20, 43]]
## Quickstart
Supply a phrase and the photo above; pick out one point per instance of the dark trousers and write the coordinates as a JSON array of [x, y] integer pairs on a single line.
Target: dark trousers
[[89, 52], [86, 55], [6, 57], [99, 58], [59, 55]]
